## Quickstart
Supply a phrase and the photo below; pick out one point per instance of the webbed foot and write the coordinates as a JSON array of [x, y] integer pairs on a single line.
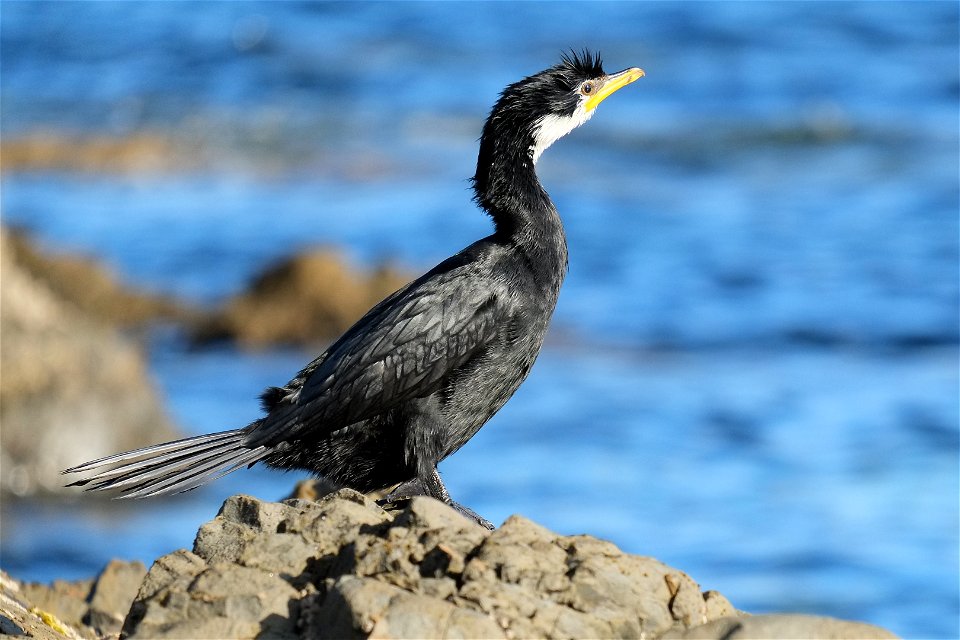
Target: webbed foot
[[433, 487]]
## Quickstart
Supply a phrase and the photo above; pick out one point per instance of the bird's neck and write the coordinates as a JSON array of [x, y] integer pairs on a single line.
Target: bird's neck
[[523, 215]]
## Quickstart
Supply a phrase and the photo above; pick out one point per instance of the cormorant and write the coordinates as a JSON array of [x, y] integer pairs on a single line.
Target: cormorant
[[414, 379]]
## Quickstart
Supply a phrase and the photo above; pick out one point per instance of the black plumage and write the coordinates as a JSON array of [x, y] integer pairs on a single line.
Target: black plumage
[[414, 379]]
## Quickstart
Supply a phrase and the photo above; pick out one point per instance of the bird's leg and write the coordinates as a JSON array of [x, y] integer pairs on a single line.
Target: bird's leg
[[433, 486], [436, 488], [405, 491]]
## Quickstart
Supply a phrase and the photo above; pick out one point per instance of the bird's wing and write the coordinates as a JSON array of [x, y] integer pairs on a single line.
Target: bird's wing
[[402, 349]]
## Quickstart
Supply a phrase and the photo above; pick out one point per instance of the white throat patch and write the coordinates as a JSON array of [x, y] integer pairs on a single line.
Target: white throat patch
[[551, 128]]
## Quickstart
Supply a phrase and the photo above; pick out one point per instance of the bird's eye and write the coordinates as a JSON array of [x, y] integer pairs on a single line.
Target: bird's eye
[[586, 88]]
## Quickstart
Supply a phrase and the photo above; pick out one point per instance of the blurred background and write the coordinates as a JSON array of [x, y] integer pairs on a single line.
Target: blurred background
[[752, 374]]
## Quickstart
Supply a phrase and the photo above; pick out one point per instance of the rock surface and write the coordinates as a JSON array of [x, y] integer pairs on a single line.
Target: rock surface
[[310, 297], [780, 626], [73, 388], [84, 283], [136, 154], [345, 568], [82, 609]]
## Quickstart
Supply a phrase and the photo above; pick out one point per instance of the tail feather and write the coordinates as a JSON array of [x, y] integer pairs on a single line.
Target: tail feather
[[160, 460], [170, 467], [183, 482], [174, 445], [138, 474]]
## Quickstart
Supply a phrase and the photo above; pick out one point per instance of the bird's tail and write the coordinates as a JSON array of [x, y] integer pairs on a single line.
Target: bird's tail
[[171, 467]]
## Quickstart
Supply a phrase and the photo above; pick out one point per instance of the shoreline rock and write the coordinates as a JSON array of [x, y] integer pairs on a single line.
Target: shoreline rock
[[306, 298], [73, 388], [78, 609], [140, 153], [314, 295], [343, 567], [86, 284], [76, 388]]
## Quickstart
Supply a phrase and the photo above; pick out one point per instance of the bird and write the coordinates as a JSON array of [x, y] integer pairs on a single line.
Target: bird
[[420, 373]]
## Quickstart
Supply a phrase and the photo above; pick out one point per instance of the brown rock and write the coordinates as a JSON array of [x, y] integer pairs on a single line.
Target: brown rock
[[222, 600], [65, 600], [234, 538], [143, 152], [782, 626], [72, 388], [364, 607], [308, 298], [84, 283], [344, 568], [81, 609], [718, 606], [112, 594]]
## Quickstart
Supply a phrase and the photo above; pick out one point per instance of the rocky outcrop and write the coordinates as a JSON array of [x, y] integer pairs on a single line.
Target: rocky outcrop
[[345, 568], [85, 284], [341, 567], [311, 297], [73, 388], [136, 154], [81, 609], [768, 627]]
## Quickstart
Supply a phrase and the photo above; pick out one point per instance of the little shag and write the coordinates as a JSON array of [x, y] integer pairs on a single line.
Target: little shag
[[414, 379]]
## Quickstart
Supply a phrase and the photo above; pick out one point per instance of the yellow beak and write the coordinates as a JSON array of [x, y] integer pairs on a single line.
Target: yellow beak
[[611, 84]]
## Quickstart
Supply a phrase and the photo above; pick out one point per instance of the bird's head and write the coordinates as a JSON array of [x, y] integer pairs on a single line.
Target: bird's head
[[535, 112], [531, 115]]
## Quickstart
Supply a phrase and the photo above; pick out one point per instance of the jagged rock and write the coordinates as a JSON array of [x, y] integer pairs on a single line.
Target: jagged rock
[[19, 618], [72, 389], [84, 283], [781, 626], [81, 609], [112, 594], [67, 600], [308, 298], [345, 568]]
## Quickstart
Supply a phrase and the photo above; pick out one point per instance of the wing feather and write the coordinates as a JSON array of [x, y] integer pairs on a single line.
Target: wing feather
[[397, 352]]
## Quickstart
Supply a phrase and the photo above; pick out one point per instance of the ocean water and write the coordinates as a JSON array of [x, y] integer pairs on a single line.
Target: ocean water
[[753, 370]]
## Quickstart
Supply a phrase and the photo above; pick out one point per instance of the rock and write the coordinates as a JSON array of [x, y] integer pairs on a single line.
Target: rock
[[82, 609], [365, 607], [343, 567], [139, 153], [308, 298], [73, 389], [311, 489], [89, 286], [782, 626], [112, 594], [718, 606], [65, 600]]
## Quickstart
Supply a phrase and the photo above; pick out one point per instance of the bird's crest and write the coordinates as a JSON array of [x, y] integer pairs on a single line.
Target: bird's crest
[[583, 63]]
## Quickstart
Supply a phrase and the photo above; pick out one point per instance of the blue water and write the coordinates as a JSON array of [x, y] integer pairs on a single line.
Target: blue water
[[753, 369]]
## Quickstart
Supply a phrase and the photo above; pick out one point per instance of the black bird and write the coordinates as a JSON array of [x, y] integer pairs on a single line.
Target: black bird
[[414, 379]]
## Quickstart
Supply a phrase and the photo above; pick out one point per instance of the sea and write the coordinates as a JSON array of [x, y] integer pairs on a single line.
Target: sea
[[752, 373]]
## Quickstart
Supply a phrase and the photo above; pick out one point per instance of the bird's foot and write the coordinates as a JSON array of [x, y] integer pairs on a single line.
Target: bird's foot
[[434, 488], [470, 514], [405, 491]]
